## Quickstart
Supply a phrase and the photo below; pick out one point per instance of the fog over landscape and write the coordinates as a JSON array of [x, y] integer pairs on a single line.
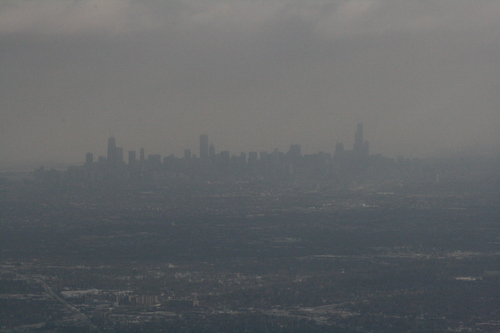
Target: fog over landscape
[[249, 166], [422, 76]]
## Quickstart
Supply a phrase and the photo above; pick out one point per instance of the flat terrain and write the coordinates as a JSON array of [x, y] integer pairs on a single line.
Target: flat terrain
[[245, 257]]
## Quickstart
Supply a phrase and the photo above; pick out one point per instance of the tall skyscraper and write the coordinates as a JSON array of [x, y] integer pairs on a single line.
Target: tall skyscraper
[[252, 158], [111, 156], [131, 157], [223, 159], [89, 158], [361, 148], [203, 146], [294, 152]]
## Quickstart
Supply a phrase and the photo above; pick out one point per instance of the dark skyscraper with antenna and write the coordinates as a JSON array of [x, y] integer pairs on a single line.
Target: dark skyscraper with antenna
[[112, 153], [361, 148]]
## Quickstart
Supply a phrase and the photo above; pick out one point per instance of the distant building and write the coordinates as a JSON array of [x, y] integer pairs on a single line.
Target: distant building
[[111, 156], [115, 154], [224, 157], [131, 157], [252, 158], [339, 150], [203, 146], [264, 155], [361, 148], [243, 158], [89, 158], [294, 152]]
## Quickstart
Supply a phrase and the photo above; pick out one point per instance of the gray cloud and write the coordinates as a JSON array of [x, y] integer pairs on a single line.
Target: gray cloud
[[252, 74], [330, 18], [56, 17]]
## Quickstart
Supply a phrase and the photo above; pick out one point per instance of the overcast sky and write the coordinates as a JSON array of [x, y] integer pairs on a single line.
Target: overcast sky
[[253, 75]]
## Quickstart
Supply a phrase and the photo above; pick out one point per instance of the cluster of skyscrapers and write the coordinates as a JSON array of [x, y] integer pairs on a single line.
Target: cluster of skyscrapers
[[210, 164]]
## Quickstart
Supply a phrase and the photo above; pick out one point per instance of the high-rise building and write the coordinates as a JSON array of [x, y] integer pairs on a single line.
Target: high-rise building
[[187, 154], [131, 157], [252, 158], [361, 148], [111, 156], [243, 158], [89, 158], [294, 152], [264, 156], [203, 146], [223, 159]]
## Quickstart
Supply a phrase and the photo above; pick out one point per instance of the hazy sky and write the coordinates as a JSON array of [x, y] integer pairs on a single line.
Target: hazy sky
[[253, 75]]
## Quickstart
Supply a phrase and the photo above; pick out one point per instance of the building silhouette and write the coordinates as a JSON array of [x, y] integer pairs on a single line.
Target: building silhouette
[[203, 146], [89, 158], [361, 148], [292, 165], [111, 156], [131, 157]]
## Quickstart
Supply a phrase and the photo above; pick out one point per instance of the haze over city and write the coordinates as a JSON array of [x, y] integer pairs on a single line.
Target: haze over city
[[254, 75], [249, 166]]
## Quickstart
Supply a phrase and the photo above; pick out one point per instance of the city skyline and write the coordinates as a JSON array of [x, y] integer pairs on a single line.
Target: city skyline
[[206, 150], [357, 145], [347, 163]]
